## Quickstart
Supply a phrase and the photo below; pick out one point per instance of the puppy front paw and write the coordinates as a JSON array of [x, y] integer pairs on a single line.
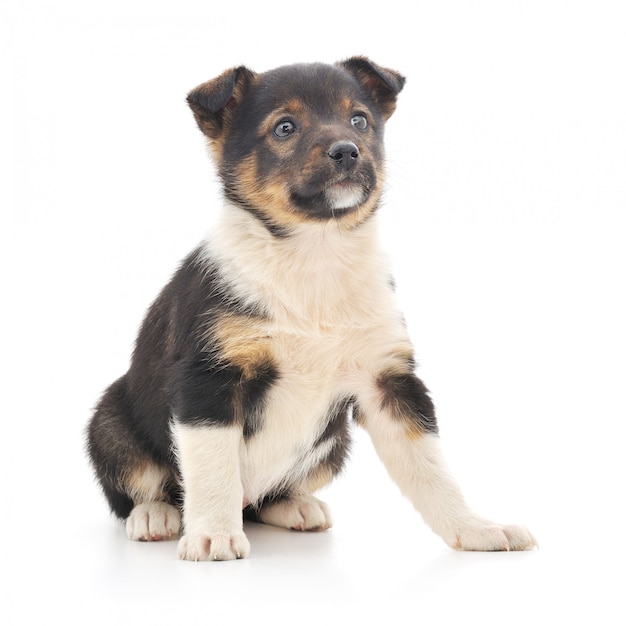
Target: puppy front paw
[[213, 546], [487, 537]]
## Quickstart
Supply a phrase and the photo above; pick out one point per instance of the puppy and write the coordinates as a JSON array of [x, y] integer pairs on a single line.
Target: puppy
[[279, 330]]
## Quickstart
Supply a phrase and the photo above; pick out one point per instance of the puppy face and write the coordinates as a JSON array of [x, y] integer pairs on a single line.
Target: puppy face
[[300, 143]]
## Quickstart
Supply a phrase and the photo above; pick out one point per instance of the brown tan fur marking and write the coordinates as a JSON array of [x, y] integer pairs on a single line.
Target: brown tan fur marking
[[243, 341], [323, 475], [145, 482], [271, 198], [294, 107]]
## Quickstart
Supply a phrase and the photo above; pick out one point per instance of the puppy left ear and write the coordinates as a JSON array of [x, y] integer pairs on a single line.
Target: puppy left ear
[[214, 102], [382, 83]]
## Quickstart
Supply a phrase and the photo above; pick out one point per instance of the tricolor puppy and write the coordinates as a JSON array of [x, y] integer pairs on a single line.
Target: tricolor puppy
[[277, 331]]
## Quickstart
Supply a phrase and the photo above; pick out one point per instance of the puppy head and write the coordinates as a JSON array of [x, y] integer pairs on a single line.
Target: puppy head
[[301, 143]]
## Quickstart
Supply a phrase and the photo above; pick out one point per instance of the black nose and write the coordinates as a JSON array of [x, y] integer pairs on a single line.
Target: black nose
[[344, 153]]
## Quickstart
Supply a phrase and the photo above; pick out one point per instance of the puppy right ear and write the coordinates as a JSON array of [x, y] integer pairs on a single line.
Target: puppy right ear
[[213, 102], [383, 84]]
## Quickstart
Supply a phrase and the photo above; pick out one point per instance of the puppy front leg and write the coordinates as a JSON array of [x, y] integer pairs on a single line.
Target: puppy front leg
[[400, 419], [208, 458]]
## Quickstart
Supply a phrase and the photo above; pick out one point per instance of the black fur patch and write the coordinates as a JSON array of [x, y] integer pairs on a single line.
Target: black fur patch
[[406, 396], [337, 431]]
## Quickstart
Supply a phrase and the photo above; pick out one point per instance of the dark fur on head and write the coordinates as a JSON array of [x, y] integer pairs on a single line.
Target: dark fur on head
[[237, 111]]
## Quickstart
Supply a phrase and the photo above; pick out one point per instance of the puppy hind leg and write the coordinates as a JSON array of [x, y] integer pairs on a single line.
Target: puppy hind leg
[[109, 447], [134, 484], [152, 518]]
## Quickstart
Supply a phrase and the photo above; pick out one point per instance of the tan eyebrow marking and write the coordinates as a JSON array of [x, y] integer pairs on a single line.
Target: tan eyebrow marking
[[293, 107]]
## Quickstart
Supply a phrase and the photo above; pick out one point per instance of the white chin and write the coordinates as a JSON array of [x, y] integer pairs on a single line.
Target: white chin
[[344, 197]]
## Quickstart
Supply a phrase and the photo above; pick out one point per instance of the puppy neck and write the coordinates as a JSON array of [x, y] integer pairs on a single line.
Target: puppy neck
[[314, 273]]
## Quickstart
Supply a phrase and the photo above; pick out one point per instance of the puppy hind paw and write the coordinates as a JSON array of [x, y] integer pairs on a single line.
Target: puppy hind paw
[[304, 512], [213, 547], [153, 521]]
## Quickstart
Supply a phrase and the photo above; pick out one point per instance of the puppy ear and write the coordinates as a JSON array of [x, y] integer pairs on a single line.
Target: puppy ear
[[213, 102], [382, 83]]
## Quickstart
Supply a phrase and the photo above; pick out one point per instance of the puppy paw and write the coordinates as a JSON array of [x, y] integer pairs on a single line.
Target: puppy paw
[[213, 546], [298, 513], [488, 537], [153, 521]]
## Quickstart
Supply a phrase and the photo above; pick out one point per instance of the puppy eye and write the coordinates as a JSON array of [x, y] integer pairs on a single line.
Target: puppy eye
[[359, 121], [284, 128]]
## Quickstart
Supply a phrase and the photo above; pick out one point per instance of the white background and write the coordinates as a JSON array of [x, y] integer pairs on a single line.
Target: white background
[[505, 220]]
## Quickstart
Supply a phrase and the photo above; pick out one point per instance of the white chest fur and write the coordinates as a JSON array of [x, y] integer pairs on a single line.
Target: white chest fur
[[334, 326]]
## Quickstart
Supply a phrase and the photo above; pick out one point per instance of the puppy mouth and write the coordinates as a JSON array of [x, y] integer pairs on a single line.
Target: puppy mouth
[[344, 194], [335, 198]]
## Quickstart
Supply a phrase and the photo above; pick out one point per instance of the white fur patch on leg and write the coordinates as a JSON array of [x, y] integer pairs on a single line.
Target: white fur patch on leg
[[417, 466], [213, 493], [153, 521], [301, 512]]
